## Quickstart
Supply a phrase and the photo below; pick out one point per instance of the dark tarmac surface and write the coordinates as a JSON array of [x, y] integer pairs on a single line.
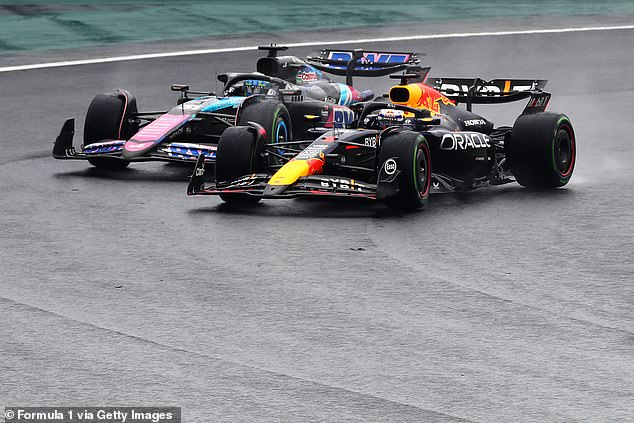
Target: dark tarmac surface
[[501, 305]]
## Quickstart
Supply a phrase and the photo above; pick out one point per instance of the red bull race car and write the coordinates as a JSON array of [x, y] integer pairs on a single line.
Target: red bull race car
[[399, 151], [116, 133]]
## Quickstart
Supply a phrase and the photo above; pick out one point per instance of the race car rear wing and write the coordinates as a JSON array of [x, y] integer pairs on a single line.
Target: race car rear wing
[[479, 91], [350, 63]]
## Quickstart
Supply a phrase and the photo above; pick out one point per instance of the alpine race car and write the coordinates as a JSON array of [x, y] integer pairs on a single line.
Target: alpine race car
[[116, 133], [399, 152]]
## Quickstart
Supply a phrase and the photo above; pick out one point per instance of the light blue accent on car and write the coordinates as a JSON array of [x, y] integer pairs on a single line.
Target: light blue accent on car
[[223, 103], [281, 125], [345, 96]]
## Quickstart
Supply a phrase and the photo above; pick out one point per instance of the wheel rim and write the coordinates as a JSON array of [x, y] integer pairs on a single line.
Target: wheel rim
[[423, 171], [564, 151], [280, 135], [281, 132]]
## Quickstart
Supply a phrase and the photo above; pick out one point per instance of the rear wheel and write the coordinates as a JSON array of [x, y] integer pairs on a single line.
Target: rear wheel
[[274, 118], [542, 150], [109, 118], [408, 153], [237, 156]]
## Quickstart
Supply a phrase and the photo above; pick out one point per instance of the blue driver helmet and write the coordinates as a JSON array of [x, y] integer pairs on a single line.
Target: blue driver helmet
[[255, 86]]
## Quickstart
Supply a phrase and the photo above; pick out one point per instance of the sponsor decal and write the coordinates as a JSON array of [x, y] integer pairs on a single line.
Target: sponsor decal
[[474, 122], [244, 181], [343, 116], [368, 59], [370, 141], [341, 183], [307, 75], [189, 151], [420, 96], [454, 90], [103, 147], [390, 166], [314, 150], [315, 165], [291, 171], [464, 140], [430, 99], [539, 102], [105, 144], [337, 117]]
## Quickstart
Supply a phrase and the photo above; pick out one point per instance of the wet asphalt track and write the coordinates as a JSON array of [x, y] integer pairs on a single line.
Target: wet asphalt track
[[501, 305]]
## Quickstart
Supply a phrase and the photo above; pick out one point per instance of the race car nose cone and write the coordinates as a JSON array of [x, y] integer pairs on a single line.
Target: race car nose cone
[[133, 148], [273, 190]]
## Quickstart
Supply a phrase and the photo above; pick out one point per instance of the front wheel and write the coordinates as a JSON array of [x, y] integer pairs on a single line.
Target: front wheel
[[542, 150], [405, 161], [109, 117], [237, 155], [276, 121]]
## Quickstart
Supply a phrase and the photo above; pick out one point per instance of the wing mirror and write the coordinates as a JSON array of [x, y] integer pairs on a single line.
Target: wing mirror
[[180, 87]]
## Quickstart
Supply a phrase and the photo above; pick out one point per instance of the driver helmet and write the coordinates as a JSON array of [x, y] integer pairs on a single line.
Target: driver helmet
[[383, 118], [255, 86]]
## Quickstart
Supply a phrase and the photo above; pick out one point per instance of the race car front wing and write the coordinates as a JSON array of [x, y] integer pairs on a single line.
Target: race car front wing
[[256, 185], [168, 152]]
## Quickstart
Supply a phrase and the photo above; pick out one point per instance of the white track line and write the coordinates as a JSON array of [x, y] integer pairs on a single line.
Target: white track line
[[309, 44]]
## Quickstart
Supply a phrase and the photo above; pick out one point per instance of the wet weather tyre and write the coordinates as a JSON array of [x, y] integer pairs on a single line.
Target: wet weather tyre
[[109, 118], [542, 150], [237, 155], [274, 118], [410, 151]]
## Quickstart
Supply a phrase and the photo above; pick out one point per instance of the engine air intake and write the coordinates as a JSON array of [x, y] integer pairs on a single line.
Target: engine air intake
[[399, 95]]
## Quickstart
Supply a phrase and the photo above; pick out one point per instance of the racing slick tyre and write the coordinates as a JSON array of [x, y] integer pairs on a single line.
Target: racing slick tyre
[[109, 117], [274, 118], [407, 153], [542, 150], [237, 155]]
